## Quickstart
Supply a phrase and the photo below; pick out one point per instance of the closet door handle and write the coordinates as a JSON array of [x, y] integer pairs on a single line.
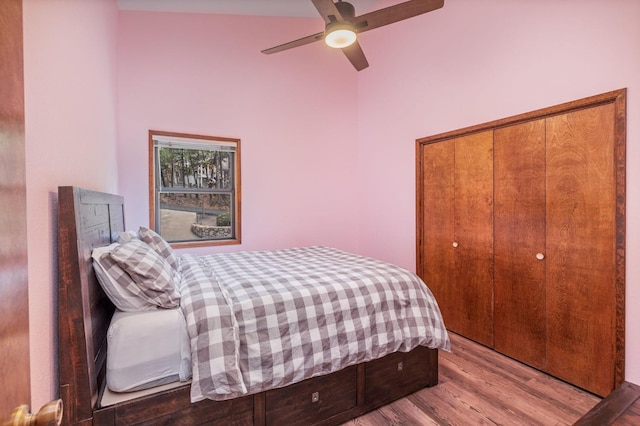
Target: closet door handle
[[539, 256], [455, 244]]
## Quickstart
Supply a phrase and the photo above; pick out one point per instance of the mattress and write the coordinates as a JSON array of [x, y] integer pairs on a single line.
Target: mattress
[[147, 349]]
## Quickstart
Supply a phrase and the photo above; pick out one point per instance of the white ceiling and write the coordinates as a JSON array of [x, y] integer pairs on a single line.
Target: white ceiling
[[298, 8]]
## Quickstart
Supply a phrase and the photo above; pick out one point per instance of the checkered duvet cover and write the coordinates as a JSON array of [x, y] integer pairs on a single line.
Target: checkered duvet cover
[[263, 320]]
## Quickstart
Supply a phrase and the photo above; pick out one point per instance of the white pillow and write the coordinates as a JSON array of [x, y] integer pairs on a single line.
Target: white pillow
[[126, 236]]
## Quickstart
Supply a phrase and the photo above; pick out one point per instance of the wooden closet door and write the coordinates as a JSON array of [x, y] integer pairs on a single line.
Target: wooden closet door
[[473, 228], [437, 269], [519, 224], [581, 247]]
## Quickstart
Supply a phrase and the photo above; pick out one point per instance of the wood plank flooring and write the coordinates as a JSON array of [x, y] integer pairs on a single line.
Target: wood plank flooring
[[479, 386]]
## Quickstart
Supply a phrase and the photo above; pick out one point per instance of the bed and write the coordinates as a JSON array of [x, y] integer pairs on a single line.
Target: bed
[[89, 220]]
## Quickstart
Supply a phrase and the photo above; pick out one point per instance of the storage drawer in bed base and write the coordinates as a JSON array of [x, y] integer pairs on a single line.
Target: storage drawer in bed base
[[312, 400], [377, 383], [174, 408], [399, 374], [325, 400]]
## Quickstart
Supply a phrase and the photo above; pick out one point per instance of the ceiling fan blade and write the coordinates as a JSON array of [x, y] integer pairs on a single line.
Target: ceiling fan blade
[[295, 43], [327, 8], [356, 56], [395, 13]]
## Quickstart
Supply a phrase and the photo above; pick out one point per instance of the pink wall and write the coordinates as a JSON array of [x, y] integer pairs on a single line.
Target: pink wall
[[295, 113], [327, 153], [473, 62], [70, 115]]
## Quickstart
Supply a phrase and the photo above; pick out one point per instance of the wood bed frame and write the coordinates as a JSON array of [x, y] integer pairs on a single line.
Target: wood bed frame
[[89, 219]]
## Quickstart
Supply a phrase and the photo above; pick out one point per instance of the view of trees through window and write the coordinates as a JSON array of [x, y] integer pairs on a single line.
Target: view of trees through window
[[195, 190]]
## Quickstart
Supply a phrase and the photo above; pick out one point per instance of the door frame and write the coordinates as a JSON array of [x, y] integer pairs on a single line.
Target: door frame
[[14, 298]]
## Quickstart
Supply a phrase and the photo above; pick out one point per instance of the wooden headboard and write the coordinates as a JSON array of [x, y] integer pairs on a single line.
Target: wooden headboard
[[86, 219]]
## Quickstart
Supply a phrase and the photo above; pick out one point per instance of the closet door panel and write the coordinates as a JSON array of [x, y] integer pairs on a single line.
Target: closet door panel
[[474, 234], [519, 220], [437, 229], [581, 248]]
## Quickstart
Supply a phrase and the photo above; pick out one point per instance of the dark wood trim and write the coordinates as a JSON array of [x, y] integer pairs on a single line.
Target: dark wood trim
[[614, 408], [621, 223], [617, 96], [259, 409], [361, 384]]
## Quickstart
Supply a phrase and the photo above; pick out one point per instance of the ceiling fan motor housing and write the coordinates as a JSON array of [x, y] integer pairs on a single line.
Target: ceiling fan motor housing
[[346, 10]]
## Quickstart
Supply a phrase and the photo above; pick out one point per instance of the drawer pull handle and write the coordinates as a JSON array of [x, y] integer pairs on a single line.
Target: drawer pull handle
[[400, 366], [315, 397]]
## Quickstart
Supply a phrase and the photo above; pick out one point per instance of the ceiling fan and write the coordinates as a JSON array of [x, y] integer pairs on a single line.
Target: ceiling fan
[[342, 25]]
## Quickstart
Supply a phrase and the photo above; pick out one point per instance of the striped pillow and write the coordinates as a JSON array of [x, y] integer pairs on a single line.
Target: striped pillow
[[160, 245], [117, 284], [150, 272]]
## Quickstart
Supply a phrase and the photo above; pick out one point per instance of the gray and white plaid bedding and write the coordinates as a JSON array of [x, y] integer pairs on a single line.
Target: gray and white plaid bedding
[[262, 320]]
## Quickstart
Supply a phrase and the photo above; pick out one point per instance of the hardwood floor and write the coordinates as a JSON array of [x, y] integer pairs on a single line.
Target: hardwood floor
[[480, 386]]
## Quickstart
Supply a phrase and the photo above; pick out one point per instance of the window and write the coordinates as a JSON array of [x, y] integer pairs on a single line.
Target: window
[[194, 188]]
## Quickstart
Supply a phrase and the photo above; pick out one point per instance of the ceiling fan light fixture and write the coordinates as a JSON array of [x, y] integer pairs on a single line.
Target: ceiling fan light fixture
[[339, 35]]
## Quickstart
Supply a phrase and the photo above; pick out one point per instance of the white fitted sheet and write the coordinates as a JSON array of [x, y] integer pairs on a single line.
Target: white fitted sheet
[[147, 349]]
